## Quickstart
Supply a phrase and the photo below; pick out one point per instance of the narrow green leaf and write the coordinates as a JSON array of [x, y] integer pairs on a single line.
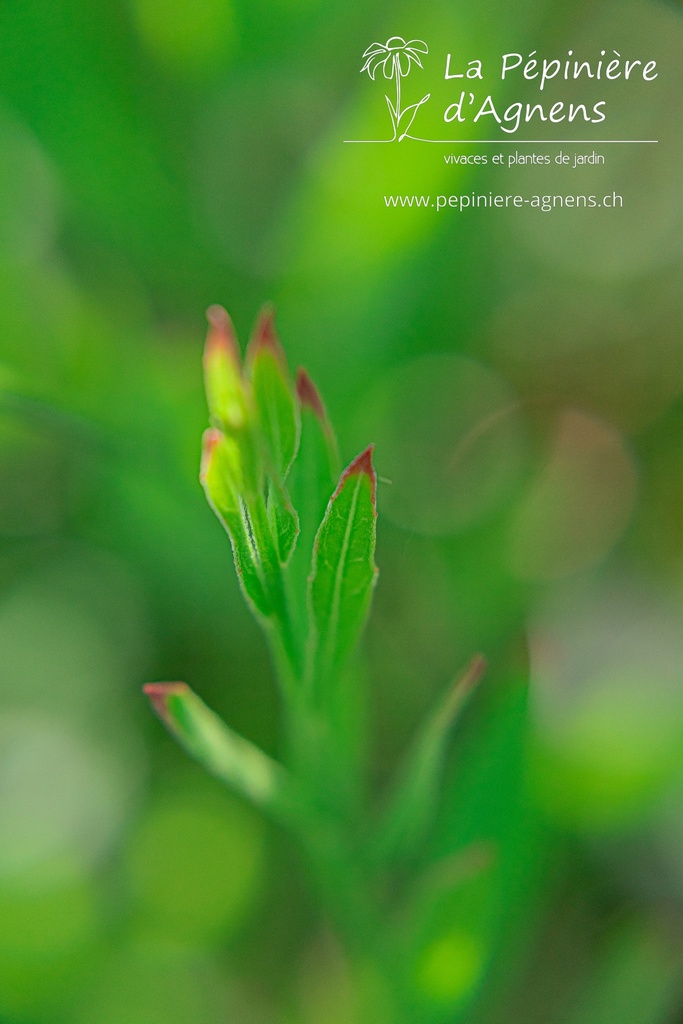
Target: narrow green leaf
[[274, 400], [312, 480], [412, 806], [221, 478], [228, 756], [344, 571], [316, 469], [284, 520], [267, 556]]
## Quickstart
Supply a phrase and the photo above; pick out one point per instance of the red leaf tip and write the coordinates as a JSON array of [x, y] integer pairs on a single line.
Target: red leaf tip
[[221, 333], [218, 316], [210, 439], [265, 335], [159, 693], [308, 394], [362, 464]]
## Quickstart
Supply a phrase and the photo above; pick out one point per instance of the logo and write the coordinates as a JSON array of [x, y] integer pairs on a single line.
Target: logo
[[473, 99], [395, 58]]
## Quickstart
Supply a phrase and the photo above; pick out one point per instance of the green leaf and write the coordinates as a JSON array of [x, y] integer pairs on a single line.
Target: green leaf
[[277, 420], [411, 810], [221, 477], [274, 400], [344, 571], [267, 557], [316, 469], [284, 520], [312, 480], [228, 756]]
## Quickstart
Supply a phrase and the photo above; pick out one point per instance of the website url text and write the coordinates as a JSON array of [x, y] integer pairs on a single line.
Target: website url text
[[490, 200]]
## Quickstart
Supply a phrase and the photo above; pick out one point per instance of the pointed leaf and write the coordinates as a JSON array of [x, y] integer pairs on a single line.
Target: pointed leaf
[[312, 479], [344, 571], [234, 760], [413, 109], [412, 807], [221, 478], [275, 403], [316, 468]]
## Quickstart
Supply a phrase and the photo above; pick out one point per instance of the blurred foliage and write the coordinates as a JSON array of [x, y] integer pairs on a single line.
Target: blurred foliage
[[156, 159]]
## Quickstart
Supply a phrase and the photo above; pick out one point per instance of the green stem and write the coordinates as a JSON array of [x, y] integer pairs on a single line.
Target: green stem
[[281, 629], [342, 883]]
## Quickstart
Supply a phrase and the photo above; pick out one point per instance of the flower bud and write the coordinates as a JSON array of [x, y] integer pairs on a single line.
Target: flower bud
[[222, 372]]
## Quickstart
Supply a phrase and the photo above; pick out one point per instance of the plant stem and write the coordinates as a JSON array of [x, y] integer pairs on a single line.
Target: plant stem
[[397, 71], [281, 630]]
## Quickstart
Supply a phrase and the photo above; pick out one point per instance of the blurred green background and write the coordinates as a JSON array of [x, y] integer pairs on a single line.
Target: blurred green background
[[522, 377]]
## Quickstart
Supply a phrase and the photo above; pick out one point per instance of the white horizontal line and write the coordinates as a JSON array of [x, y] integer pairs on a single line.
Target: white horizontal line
[[520, 142]]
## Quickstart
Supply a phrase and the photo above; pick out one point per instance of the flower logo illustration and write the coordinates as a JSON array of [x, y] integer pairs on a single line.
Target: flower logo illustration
[[395, 58]]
